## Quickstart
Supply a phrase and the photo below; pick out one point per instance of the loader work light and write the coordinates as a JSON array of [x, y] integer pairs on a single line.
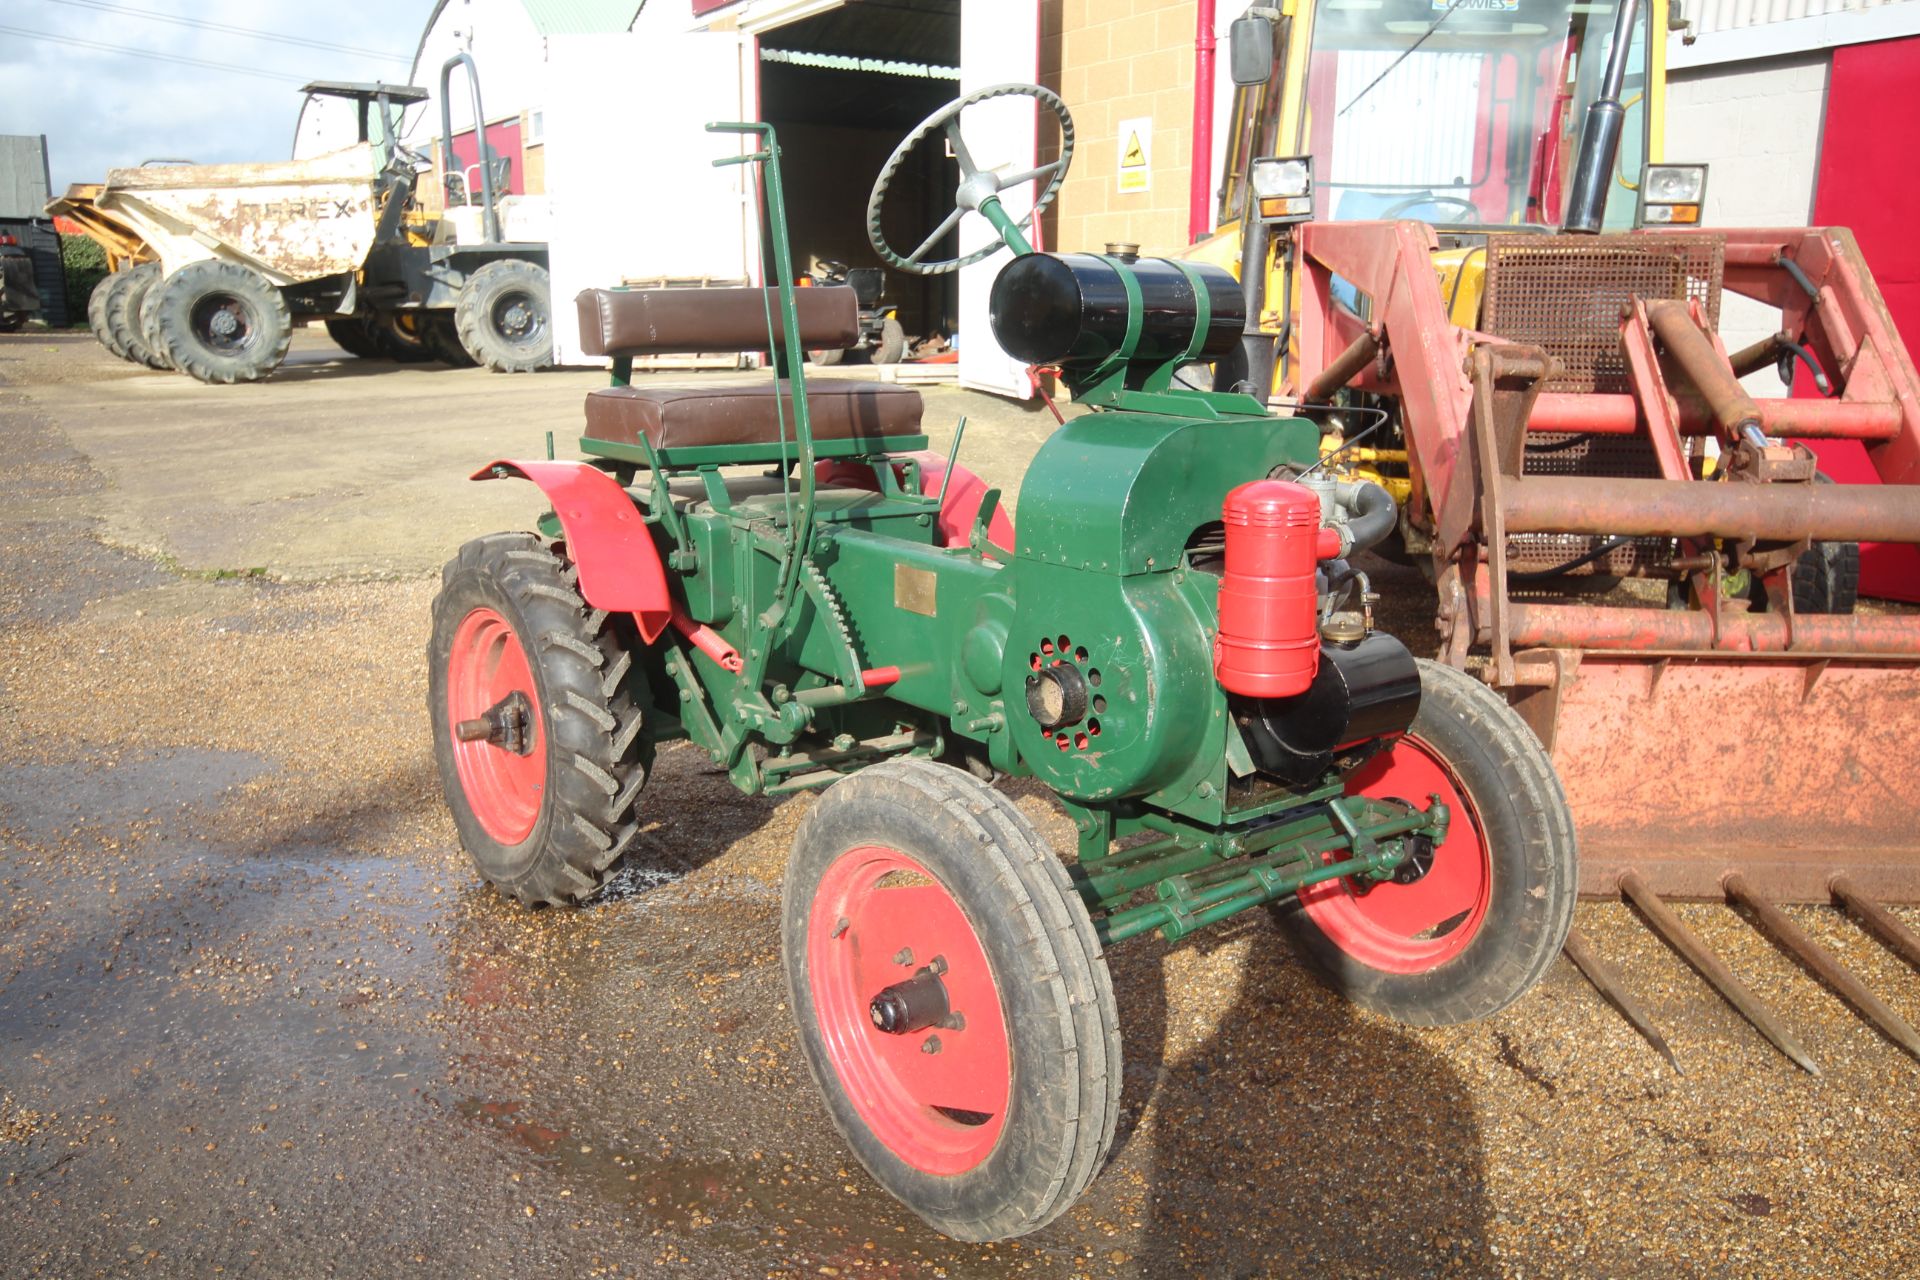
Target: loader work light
[[1672, 194], [1284, 187]]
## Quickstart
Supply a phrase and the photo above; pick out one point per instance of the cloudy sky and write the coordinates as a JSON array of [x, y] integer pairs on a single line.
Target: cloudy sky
[[115, 82]]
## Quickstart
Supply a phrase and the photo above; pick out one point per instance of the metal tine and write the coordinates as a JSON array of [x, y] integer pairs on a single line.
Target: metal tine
[[1829, 970], [1879, 921], [1711, 967], [1606, 979]]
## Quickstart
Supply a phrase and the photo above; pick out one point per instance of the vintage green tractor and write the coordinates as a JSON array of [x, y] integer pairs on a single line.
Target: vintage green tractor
[[1174, 644]]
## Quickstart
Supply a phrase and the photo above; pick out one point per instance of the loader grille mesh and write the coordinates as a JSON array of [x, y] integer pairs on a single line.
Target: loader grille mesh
[[1565, 295]]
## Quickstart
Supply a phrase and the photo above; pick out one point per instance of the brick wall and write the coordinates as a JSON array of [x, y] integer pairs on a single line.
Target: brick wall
[[1115, 60]]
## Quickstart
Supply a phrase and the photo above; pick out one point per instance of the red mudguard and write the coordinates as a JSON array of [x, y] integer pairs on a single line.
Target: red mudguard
[[620, 569]]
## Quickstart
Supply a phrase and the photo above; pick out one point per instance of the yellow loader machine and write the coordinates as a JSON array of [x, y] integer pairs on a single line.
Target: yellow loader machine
[[1453, 222]]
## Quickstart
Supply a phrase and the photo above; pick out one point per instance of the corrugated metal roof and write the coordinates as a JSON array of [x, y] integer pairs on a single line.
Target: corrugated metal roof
[[23, 176], [582, 17], [1731, 15]]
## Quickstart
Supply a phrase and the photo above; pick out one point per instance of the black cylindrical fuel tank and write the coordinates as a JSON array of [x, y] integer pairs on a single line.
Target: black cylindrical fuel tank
[[1073, 309], [1363, 691]]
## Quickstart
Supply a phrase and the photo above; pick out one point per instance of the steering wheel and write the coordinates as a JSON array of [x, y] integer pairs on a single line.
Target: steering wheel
[[977, 185], [1414, 202]]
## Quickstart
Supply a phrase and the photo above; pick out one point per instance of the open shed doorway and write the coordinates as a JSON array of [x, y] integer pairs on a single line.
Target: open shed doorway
[[841, 89]]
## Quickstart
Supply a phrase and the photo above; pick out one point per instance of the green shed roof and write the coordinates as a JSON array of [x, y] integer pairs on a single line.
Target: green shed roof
[[581, 17]]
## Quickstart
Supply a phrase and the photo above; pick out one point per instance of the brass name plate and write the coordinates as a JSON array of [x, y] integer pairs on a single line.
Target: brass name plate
[[914, 589]]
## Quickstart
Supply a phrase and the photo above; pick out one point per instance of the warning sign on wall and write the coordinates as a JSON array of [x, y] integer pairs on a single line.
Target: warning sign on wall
[[1136, 155]]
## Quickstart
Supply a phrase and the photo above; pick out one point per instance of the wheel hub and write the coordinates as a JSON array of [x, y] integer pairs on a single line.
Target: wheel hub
[[914, 1005], [505, 724]]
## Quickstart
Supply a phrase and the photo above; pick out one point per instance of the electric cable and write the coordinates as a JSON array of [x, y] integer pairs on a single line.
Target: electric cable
[[227, 28]]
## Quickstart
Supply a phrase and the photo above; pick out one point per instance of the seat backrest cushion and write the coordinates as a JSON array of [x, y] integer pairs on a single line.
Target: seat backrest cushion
[[638, 322]]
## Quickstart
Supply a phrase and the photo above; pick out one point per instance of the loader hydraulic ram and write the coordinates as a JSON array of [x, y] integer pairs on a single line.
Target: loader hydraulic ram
[[1628, 544], [1173, 642]]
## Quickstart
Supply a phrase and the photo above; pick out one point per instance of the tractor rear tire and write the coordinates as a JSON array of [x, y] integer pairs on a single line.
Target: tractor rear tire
[[349, 333], [892, 344], [1826, 579], [442, 338], [124, 312], [1481, 926], [400, 335], [550, 823], [990, 1121], [505, 316], [220, 322]]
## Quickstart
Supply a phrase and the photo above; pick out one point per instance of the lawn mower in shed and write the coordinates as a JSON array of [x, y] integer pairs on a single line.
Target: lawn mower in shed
[[1636, 551], [1173, 642]]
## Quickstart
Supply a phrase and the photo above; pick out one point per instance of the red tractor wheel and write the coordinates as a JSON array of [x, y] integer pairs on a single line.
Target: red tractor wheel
[[537, 709], [951, 998], [1495, 900]]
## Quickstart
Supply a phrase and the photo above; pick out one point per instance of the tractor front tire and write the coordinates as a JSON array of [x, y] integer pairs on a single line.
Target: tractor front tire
[[910, 882], [1476, 931], [545, 801], [125, 310], [505, 316], [349, 333], [220, 322]]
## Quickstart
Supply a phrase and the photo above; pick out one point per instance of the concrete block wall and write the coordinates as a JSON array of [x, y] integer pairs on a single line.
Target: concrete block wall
[[1757, 126], [1115, 60]]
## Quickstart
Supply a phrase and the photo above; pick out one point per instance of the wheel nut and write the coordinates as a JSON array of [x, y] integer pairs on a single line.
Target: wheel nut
[[930, 1045], [903, 956]]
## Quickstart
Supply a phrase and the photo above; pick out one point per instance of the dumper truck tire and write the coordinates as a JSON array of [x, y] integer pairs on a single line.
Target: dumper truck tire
[[349, 333], [221, 322], [1489, 913], [400, 336], [150, 326], [505, 315], [97, 311], [124, 310], [105, 293], [442, 340]]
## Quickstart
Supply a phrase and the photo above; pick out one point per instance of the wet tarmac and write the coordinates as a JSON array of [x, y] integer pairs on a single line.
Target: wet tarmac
[[258, 1017]]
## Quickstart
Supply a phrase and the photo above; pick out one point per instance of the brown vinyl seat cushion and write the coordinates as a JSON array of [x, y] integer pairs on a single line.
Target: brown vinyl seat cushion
[[737, 414]]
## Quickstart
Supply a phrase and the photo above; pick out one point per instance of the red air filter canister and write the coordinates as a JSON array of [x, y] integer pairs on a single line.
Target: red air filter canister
[[1268, 645]]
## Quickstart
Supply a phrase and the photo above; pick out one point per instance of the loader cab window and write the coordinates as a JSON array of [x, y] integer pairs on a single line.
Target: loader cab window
[[1462, 113]]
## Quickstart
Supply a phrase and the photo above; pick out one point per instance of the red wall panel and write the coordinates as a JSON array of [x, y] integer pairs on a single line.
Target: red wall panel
[[1869, 182]]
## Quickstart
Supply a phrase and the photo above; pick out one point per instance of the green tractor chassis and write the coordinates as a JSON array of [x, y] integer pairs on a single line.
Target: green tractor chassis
[[1173, 643]]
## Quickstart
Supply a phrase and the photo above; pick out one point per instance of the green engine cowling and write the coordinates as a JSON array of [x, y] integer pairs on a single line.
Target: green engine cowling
[[1105, 638]]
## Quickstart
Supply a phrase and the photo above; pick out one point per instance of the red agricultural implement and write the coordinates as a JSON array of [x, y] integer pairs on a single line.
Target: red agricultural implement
[[1639, 553]]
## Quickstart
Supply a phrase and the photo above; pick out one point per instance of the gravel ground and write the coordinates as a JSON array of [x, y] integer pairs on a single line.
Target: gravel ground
[[258, 1018]]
